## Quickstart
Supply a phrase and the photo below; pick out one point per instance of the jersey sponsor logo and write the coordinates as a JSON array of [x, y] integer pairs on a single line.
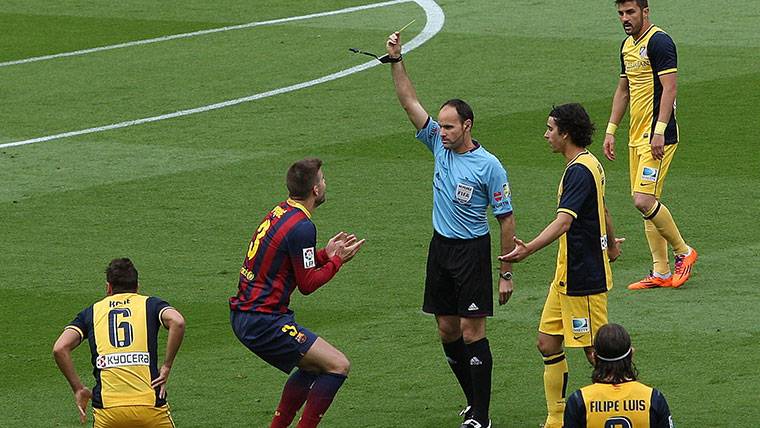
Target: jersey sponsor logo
[[464, 193], [603, 240], [308, 258], [122, 359], [649, 174], [581, 325], [497, 196], [473, 307]]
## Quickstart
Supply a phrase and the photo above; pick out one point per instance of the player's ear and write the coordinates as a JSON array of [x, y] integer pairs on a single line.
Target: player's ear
[[109, 288], [593, 358], [467, 125]]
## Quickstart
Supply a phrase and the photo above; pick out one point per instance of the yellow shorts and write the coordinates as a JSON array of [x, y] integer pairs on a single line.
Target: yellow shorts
[[577, 318], [647, 173], [133, 417]]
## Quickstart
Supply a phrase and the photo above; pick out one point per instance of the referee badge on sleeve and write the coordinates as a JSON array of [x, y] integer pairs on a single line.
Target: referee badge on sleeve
[[308, 258]]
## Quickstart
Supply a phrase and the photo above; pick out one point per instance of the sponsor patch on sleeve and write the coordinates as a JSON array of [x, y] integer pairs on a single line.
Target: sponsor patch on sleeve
[[308, 258]]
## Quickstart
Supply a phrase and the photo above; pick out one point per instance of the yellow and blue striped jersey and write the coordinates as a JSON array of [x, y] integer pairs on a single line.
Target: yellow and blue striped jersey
[[643, 61], [583, 267], [122, 331], [626, 405]]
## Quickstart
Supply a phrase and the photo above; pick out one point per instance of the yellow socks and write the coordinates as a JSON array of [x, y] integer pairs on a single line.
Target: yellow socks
[[555, 386]]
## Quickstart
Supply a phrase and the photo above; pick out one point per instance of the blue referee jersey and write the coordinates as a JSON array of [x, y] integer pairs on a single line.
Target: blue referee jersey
[[464, 184]]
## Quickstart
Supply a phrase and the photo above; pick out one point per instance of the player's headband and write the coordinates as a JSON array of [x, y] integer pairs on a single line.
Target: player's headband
[[627, 353]]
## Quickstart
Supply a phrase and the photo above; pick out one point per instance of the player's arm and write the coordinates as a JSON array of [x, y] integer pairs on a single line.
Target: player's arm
[[619, 105], [405, 92], [175, 323], [667, 100], [507, 228], [664, 60], [301, 241], [614, 243], [66, 343], [554, 230]]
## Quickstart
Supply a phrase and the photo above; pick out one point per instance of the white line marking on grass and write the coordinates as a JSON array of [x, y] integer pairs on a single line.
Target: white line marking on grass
[[434, 24], [200, 33]]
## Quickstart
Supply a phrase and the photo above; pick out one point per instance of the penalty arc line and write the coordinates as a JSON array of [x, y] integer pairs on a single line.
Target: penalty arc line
[[434, 23]]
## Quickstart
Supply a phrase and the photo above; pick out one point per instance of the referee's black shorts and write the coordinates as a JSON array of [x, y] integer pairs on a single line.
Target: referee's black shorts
[[459, 280]]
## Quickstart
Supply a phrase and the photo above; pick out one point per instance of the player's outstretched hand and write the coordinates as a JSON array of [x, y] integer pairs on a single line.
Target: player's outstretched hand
[[393, 45], [609, 146], [520, 252], [505, 290], [614, 251], [348, 248], [163, 377], [82, 398]]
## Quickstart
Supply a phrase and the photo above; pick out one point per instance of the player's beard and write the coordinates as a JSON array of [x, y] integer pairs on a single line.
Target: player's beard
[[321, 200]]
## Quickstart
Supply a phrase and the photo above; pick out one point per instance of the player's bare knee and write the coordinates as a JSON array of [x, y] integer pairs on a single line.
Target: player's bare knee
[[643, 203], [547, 347]]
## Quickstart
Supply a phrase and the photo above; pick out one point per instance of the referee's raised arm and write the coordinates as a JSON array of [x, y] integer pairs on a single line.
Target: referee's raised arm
[[407, 96]]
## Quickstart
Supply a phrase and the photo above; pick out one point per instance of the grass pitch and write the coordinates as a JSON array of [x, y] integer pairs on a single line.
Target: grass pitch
[[181, 197]]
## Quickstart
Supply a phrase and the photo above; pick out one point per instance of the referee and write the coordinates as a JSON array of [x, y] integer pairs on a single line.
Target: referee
[[458, 284]]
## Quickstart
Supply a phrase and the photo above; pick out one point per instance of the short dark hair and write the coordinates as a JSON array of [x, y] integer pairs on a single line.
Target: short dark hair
[[642, 3], [573, 119], [122, 275], [463, 109], [302, 177], [611, 342]]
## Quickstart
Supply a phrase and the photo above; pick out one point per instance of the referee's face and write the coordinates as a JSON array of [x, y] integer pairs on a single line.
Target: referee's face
[[452, 128]]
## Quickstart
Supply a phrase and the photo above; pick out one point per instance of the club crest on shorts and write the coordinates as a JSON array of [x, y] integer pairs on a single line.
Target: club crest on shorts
[[581, 325], [308, 258], [301, 338], [649, 174], [464, 193]]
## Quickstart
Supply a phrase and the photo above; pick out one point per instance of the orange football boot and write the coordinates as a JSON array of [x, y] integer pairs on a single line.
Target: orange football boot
[[683, 267], [651, 281]]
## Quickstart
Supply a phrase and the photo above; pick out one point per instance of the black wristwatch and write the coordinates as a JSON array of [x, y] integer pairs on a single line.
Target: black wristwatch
[[506, 276]]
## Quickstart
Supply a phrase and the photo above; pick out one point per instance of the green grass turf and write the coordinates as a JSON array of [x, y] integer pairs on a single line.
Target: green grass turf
[[182, 197]]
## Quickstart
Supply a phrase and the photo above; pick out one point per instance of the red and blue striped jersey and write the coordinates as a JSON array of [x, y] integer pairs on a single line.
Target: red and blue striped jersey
[[281, 256]]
